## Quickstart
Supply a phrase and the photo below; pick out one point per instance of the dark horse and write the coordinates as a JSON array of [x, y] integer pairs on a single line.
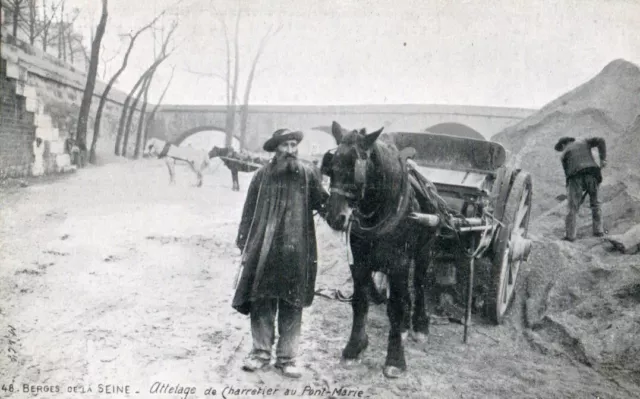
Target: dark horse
[[227, 152], [372, 198], [236, 162]]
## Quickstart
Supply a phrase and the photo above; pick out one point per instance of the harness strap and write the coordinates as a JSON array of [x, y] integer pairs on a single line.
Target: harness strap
[[342, 192], [391, 220], [165, 150]]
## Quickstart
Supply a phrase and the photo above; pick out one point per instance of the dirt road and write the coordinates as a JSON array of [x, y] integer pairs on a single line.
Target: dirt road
[[112, 280]]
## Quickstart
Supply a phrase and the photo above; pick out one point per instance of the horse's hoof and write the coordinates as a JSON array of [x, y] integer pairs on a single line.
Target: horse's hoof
[[392, 371], [419, 337], [349, 363]]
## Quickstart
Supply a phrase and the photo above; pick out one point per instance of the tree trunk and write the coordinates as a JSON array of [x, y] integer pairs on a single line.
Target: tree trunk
[[141, 120], [32, 22], [105, 94], [85, 106], [45, 32], [132, 111], [155, 108], [70, 43], [127, 101], [231, 108], [135, 88], [244, 115], [16, 16], [61, 33]]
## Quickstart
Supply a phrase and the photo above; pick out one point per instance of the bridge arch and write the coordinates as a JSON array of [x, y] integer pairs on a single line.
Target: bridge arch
[[455, 129], [184, 135]]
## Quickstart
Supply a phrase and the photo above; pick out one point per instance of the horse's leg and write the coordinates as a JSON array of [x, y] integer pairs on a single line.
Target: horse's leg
[[198, 172], [395, 364], [170, 165], [420, 319], [234, 177], [358, 340]]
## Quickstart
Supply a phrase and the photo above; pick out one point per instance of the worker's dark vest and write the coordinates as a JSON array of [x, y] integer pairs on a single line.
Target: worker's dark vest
[[577, 159]]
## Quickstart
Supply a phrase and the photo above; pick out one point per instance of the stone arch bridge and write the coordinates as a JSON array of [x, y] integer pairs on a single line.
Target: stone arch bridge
[[177, 122]]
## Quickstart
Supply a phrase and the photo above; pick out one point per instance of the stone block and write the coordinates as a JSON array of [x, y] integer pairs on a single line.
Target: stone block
[[63, 161], [30, 92], [31, 104], [44, 133], [20, 87], [13, 70], [43, 121], [56, 147]]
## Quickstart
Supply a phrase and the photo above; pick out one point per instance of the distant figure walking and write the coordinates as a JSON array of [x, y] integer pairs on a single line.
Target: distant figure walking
[[583, 176], [38, 161]]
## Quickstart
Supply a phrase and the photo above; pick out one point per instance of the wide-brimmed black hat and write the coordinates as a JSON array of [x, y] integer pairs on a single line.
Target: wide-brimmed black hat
[[280, 136], [562, 142]]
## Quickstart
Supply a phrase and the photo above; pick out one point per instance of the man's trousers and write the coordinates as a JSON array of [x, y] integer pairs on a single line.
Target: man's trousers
[[263, 315], [577, 186]]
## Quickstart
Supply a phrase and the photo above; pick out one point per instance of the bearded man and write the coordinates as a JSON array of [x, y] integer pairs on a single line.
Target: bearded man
[[278, 242]]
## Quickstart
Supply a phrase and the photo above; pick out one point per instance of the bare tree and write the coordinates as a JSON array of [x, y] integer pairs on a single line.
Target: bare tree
[[136, 151], [231, 80], [244, 112], [16, 6], [132, 111], [37, 26], [120, 135], [61, 33], [46, 31], [85, 105], [112, 81], [155, 108]]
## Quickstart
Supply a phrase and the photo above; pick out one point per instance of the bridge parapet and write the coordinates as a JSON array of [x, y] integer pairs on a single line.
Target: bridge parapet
[[176, 122]]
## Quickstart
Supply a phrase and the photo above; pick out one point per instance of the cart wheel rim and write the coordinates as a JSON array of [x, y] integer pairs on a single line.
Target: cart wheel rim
[[509, 268]]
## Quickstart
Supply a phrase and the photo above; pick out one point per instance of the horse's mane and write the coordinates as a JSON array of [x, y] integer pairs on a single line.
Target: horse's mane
[[386, 185], [386, 156]]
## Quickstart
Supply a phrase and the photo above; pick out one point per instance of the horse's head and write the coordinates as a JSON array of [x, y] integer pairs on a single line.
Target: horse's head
[[347, 168], [214, 152], [153, 147]]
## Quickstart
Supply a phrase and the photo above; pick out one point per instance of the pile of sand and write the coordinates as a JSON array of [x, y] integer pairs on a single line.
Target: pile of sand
[[607, 106], [582, 299]]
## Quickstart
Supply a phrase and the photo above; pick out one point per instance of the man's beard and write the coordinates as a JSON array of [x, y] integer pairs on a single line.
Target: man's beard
[[287, 165]]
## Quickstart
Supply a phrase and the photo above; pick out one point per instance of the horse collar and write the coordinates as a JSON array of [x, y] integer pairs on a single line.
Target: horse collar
[[391, 220]]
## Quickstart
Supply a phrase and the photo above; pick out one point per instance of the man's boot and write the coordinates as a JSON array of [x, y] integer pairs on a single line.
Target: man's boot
[[570, 224], [596, 213]]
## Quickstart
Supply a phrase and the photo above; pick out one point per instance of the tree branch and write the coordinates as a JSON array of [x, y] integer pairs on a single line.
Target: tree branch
[[205, 74]]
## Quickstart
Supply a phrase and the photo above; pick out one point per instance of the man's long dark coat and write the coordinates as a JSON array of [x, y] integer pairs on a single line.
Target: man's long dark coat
[[277, 236]]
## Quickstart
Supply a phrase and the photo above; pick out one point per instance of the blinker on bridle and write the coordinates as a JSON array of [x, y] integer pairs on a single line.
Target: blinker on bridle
[[359, 179]]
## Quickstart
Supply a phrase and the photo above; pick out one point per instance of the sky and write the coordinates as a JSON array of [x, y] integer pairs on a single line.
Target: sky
[[505, 53]]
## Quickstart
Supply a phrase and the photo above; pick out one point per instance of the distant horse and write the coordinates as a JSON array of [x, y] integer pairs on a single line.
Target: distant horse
[[236, 162], [372, 199], [197, 160]]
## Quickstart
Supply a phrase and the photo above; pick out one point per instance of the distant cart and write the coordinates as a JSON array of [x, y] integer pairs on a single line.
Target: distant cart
[[491, 206], [243, 164]]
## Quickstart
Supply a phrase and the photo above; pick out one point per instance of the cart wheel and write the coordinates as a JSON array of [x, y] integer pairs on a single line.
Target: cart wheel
[[512, 247], [380, 292]]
